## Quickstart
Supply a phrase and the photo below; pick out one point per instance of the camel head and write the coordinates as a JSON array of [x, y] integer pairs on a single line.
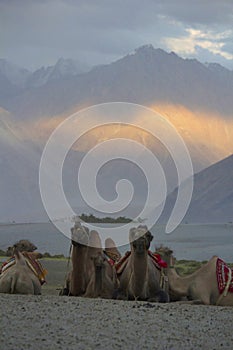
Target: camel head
[[23, 245], [138, 240], [99, 261], [167, 255], [148, 235]]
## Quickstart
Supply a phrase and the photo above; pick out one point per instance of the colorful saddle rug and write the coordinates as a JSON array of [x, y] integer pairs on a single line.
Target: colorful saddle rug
[[32, 263], [120, 265], [156, 258], [223, 274]]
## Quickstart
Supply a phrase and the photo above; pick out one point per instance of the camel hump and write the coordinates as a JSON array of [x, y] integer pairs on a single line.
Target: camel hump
[[19, 258], [95, 240], [111, 249]]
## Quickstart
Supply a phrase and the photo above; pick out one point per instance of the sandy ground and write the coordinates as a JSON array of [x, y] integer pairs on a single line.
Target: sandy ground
[[56, 322]]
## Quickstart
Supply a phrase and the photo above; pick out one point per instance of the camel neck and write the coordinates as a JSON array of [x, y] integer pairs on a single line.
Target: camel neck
[[78, 271], [177, 283], [98, 280], [140, 265]]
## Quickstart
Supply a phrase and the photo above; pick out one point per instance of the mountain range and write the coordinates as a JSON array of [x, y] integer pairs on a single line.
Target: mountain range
[[147, 76], [196, 98]]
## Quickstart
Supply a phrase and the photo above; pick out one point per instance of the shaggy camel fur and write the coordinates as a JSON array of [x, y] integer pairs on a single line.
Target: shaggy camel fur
[[199, 287], [87, 278], [19, 279], [140, 279]]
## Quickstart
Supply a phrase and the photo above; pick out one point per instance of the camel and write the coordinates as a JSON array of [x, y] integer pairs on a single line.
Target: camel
[[103, 279], [19, 278], [91, 276], [76, 282], [140, 279], [102, 282], [201, 286]]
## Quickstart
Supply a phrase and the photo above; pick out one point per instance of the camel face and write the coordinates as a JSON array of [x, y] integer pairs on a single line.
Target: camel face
[[139, 245], [140, 279], [23, 245], [142, 235], [99, 261]]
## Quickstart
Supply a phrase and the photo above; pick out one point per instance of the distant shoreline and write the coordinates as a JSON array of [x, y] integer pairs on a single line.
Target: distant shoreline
[[128, 220]]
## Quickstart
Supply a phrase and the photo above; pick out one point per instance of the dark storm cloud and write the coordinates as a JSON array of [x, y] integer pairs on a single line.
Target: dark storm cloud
[[199, 11], [41, 31]]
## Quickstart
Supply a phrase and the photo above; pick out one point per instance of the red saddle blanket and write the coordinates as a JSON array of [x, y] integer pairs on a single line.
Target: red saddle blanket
[[222, 272], [156, 258]]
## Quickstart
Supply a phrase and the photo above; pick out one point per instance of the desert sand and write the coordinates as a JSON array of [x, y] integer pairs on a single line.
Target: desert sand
[[54, 322]]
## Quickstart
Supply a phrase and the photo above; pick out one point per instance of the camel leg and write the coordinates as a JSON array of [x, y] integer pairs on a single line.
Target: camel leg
[[37, 288], [13, 283], [121, 296], [161, 297], [5, 284]]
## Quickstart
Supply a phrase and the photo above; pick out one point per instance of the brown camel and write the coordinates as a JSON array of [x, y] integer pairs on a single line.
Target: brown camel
[[201, 286], [19, 278], [76, 282], [140, 279], [87, 278], [102, 282]]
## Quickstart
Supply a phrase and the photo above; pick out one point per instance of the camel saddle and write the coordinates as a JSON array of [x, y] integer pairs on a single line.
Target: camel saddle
[[224, 277], [156, 259], [32, 263]]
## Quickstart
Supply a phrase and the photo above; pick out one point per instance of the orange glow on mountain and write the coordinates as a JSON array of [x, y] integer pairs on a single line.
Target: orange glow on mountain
[[212, 133], [209, 137]]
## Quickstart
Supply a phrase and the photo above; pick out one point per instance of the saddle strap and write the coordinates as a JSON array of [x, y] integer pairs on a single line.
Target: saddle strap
[[163, 280]]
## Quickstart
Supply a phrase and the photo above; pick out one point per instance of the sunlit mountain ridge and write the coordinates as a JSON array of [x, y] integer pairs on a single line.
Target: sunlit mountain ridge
[[208, 136]]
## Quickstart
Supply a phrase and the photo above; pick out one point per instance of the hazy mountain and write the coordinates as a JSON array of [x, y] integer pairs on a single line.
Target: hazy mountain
[[17, 81], [17, 76], [196, 98], [63, 69], [147, 76], [222, 72], [212, 199]]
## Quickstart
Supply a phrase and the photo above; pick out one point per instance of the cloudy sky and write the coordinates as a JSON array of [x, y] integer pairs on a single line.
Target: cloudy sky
[[38, 32]]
